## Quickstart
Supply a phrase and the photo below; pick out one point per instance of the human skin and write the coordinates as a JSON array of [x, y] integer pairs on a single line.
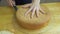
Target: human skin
[[35, 7]]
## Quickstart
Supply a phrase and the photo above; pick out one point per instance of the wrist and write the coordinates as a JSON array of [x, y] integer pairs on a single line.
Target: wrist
[[36, 2]]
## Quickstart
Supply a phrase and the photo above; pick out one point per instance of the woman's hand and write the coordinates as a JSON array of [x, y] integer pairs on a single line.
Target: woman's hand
[[11, 2], [34, 8]]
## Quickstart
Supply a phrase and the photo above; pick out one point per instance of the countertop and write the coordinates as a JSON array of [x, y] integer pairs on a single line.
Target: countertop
[[8, 23]]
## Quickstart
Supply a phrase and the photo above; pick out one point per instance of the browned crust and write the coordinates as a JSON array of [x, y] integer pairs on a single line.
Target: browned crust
[[34, 26]]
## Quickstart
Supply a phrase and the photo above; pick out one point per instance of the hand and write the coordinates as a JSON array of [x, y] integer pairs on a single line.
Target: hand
[[11, 2], [33, 9]]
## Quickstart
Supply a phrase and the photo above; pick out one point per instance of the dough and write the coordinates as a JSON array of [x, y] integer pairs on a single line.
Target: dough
[[32, 23]]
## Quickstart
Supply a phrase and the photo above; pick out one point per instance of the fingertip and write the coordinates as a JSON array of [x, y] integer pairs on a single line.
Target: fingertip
[[25, 14], [31, 16], [37, 16]]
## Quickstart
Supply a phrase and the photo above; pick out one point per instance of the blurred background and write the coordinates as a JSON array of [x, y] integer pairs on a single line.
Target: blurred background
[[4, 2]]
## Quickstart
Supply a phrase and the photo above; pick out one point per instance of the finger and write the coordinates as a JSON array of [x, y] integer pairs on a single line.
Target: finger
[[33, 12], [26, 5], [37, 12], [28, 11], [10, 2], [42, 11]]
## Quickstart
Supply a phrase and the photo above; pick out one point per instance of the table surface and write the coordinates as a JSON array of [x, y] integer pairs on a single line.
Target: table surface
[[8, 23]]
